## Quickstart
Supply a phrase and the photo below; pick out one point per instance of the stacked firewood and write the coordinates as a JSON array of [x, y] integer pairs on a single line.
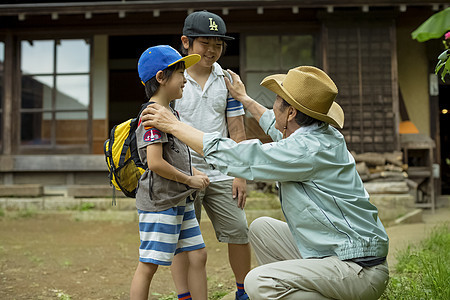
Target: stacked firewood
[[383, 173]]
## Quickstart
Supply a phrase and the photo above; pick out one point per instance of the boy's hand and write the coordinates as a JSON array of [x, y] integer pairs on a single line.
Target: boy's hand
[[198, 181], [240, 191], [237, 88]]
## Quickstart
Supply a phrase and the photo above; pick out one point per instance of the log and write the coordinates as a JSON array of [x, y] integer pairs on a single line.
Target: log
[[389, 167], [371, 158], [395, 158], [399, 187], [362, 169]]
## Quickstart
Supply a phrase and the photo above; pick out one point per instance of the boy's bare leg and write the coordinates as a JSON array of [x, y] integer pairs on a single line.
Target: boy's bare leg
[[197, 274], [240, 260], [179, 270], [142, 278]]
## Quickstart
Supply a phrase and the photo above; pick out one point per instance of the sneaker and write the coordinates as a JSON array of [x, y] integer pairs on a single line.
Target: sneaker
[[242, 297]]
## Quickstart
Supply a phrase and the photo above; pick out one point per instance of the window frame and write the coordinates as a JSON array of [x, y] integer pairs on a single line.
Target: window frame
[[280, 70], [53, 147], [2, 95]]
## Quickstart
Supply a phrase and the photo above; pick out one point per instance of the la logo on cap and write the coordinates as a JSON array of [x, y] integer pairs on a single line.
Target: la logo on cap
[[212, 25]]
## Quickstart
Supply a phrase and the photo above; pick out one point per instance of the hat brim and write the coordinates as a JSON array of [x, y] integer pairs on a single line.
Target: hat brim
[[189, 60], [335, 115], [225, 37]]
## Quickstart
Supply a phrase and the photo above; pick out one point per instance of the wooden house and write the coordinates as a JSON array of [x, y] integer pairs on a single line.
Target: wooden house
[[68, 72]]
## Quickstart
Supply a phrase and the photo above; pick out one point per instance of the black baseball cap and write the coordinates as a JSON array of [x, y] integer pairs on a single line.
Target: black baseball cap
[[205, 23]]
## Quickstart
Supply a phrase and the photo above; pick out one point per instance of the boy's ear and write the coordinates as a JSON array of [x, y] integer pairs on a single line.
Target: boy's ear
[[160, 77], [185, 42]]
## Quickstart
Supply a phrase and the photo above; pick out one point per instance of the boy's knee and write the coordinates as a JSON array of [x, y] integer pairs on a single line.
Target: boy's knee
[[148, 269], [198, 257]]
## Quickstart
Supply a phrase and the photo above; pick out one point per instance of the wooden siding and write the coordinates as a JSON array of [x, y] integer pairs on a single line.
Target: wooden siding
[[359, 59]]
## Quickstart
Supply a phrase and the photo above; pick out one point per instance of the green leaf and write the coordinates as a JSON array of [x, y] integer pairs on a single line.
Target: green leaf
[[443, 75], [439, 65], [447, 64], [443, 56], [446, 70]]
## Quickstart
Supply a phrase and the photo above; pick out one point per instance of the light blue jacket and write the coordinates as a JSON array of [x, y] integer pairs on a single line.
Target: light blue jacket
[[322, 196]]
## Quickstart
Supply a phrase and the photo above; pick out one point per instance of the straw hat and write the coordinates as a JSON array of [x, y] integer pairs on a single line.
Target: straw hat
[[309, 90]]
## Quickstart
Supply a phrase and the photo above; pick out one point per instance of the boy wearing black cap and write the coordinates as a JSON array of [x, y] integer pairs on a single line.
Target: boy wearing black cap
[[167, 223], [207, 106]]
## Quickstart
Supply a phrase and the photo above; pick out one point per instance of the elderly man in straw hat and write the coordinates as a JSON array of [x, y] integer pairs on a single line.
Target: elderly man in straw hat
[[332, 245]]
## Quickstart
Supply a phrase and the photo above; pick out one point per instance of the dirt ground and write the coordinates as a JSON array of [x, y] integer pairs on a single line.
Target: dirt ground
[[54, 255], [93, 254]]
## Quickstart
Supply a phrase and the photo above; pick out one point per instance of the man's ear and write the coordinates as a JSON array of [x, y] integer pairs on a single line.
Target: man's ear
[[185, 42], [160, 77], [292, 113]]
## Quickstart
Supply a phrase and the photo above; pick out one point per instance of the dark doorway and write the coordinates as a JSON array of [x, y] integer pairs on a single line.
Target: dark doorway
[[126, 93], [444, 121]]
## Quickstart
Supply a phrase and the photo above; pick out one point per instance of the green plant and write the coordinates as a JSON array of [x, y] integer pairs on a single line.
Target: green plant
[[171, 296], [61, 295], [67, 263], [27, 213], [423, 272], [443, 64], [85, 206], [218, 295]]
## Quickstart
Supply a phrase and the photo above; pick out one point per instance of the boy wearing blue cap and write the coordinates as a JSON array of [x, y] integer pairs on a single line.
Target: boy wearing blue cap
[[167, 222], [206, 105]]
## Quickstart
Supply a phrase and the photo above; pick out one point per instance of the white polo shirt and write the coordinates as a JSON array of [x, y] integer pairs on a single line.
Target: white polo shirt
[[207, 111]]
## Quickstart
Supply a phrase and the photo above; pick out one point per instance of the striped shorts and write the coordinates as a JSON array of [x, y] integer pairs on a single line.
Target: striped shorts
[[166, 233]]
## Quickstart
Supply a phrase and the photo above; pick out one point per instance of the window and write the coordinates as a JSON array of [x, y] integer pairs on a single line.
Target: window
[[55, 107], [271, 54], [2, 60]]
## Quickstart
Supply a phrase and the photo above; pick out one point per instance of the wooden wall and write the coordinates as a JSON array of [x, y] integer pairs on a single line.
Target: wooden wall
[[362, 62]]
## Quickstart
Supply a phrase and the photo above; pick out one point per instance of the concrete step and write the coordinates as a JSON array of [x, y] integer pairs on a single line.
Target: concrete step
[[22, 190]]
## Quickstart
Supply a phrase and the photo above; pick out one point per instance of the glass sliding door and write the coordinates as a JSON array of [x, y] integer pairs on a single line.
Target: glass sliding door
[[55, 110]]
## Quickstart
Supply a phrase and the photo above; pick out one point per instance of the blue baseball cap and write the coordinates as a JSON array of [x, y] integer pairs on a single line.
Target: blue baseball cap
[[161, 57]]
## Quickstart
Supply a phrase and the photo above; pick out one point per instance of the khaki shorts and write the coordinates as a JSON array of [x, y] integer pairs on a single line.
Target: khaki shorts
[[283, 274], [228, 220]]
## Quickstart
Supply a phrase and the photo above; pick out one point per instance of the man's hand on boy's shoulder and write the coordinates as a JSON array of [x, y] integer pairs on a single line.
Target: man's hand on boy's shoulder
[[237, 87], [156, 115]]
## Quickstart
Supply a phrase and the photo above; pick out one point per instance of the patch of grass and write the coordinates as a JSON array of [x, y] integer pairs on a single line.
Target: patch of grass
[[423, 272], [33, 258], [261, 195], [2, 212], [27, 213], [217, 295], [61, 295], [262, 200], [67, 263], [215, 292], [171, 296], [85, 206]]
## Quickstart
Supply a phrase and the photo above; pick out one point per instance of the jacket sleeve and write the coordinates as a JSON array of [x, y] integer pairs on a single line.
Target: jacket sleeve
[[252, 160], [267, 123]]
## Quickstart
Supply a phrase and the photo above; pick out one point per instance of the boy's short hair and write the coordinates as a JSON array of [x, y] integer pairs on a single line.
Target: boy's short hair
[[191, 40], [152, 85]]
